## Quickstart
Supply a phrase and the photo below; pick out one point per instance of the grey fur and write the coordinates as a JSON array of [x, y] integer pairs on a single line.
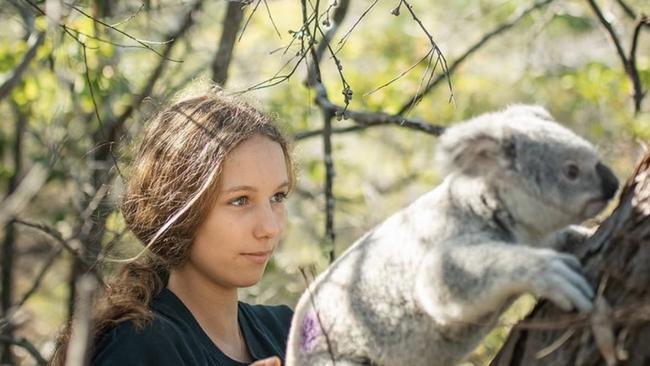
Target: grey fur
[[425, 286]]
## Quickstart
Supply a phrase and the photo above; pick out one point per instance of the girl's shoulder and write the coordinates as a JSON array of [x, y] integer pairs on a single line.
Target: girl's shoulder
[[281, 313], [159, 341]]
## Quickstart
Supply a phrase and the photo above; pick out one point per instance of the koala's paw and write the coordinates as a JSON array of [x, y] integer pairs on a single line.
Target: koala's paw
[[559, 278]]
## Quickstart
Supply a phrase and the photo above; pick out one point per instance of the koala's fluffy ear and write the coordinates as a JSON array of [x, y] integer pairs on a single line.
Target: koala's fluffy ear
[[529, 110], [475, 149]]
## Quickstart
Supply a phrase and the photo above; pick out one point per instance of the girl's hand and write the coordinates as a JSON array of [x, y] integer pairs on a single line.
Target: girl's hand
[[271, 361]]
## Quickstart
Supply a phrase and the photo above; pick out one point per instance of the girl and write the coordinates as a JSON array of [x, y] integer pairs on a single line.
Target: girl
[[206, 198]]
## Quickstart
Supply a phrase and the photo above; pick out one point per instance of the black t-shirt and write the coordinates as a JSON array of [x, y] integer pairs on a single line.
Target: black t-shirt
[[174, 337]]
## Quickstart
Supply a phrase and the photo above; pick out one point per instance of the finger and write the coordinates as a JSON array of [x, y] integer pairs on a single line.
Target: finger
[[271, 361], [576, 278], [571, 261], [573, 294]]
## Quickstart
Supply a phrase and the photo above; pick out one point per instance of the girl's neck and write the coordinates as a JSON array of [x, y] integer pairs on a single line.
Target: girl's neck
[[214, 307]]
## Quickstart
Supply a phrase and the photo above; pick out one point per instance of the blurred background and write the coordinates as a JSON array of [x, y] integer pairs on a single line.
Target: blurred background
[[78, 80]]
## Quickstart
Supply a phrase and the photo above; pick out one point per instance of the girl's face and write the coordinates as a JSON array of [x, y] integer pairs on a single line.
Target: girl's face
[[236, 240]]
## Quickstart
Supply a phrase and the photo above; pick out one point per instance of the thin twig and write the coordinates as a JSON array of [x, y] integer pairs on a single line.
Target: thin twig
[[268, 11], [51, 232], [318, 318], [28, 188], [12, 79], [629, 64], [41, 274], [399, 76], [436, 50], [248, 20], [472, 49], [143, 43], [25, 344], [345, 37], [132, 16], [118, 123], [627, 9], [96, 108]]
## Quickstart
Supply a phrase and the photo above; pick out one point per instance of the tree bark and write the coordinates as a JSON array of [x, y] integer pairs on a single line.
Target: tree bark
[[617, 261]]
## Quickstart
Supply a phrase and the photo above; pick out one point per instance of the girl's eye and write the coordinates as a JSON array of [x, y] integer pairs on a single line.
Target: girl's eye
[[279, 197], [239, 201]]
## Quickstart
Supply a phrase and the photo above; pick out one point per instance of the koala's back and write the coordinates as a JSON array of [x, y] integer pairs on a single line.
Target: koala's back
[[339, 310]]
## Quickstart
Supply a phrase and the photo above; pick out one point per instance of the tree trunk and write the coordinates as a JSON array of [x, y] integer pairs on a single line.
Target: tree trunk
[[617, 262]]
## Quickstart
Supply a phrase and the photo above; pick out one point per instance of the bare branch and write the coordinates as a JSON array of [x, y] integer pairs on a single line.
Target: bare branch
[[434, 50], [366, 120], [325, 43], [116, 126], [51, 232], [231, 23], [41, 274], [317, 314], [77, 353], [96, 109], [25, 344], [268, 11], [345, 37], [610, 30], [143, 43], [249, 19], [629, 64], [472, 49], [70, 30], [627, 9], [132, 16], [639, 93], [28, 188], [12, 79]]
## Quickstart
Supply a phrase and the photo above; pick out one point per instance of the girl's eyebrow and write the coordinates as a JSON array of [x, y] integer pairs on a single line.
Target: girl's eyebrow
[[251, 188]]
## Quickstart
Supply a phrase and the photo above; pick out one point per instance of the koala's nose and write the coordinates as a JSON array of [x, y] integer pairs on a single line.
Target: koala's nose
[[608, 180]]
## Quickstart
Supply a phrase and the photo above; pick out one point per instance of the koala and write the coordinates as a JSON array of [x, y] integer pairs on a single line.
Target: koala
[[425, 286]]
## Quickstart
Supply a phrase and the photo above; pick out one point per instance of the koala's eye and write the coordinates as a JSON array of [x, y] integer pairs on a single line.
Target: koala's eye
[[572, 171]]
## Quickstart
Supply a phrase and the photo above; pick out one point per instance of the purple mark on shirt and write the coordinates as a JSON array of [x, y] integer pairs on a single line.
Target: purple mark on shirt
[[310, 330]]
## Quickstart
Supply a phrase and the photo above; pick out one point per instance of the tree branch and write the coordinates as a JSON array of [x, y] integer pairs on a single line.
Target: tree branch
[[28, 188], [231, 23], [629, 64], [639, 93], [612, 33], [80, 336], [472, 49], [116, 125], [41, 274], [24, 343], [12, 79]]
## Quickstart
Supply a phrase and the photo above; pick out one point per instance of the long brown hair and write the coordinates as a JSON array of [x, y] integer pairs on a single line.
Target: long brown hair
[[172, 185]]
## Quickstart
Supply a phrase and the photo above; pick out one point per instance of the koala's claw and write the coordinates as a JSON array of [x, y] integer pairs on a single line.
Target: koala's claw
[[561, 281]]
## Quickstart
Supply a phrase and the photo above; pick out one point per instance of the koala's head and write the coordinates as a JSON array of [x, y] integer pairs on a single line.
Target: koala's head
[[547, 176]]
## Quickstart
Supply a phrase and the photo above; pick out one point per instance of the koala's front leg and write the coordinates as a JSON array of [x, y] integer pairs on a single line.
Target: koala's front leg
[[463, 283]]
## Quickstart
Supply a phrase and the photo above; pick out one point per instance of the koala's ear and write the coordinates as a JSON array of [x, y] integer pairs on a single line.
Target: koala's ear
[[475, 153], [530, 110]]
